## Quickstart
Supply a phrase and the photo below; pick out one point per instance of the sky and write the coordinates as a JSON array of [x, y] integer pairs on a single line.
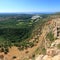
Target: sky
[[29, 6]]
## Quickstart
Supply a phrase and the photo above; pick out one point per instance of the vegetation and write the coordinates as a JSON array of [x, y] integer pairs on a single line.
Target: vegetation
[[58, 46], [14, 57], [43, 50], [50, 36], [18, 29]]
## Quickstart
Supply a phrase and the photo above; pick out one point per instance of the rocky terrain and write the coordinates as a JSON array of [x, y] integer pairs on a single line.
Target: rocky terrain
[[46, 46], [52, 52]]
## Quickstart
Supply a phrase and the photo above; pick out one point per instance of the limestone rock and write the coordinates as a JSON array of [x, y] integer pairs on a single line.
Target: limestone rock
[[39, 57], [57, 57], [46, 57]]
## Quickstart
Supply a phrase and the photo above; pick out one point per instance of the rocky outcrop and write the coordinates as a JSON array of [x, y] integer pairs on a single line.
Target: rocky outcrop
[[52, 53], [57, 57], [46, 57], [40, 57]]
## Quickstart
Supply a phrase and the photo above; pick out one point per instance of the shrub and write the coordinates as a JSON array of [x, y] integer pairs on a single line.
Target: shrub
[[27, 52], [50, 36], [43, 50], [2, 49], [6, 50], [21, 48], [14, 57], [31, 44], [58, 46]]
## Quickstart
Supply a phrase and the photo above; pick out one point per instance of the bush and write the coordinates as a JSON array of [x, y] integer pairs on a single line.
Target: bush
[[2, 49], [21, 48], [31, 44], [27, 52], [58, 46], [14, 57], [6, 50], [43, 50], [50, 36]]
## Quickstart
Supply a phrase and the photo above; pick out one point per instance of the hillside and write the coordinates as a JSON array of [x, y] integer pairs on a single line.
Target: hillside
[[52, 48], [19, 35], [27, 38]]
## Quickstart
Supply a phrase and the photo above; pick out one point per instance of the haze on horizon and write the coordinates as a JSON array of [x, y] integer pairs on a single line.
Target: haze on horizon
[[29, 6]]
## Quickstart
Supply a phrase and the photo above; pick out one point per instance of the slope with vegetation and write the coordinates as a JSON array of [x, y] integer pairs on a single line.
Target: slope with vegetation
[[22, 32], [51, 48]]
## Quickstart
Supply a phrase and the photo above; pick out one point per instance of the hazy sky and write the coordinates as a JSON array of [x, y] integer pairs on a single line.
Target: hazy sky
[[29, 5]]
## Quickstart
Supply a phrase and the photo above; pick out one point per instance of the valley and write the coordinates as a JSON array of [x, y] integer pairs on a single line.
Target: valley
[[29, 39]]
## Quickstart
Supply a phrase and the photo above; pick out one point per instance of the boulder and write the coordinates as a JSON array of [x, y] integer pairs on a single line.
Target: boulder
[[46, 57]]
